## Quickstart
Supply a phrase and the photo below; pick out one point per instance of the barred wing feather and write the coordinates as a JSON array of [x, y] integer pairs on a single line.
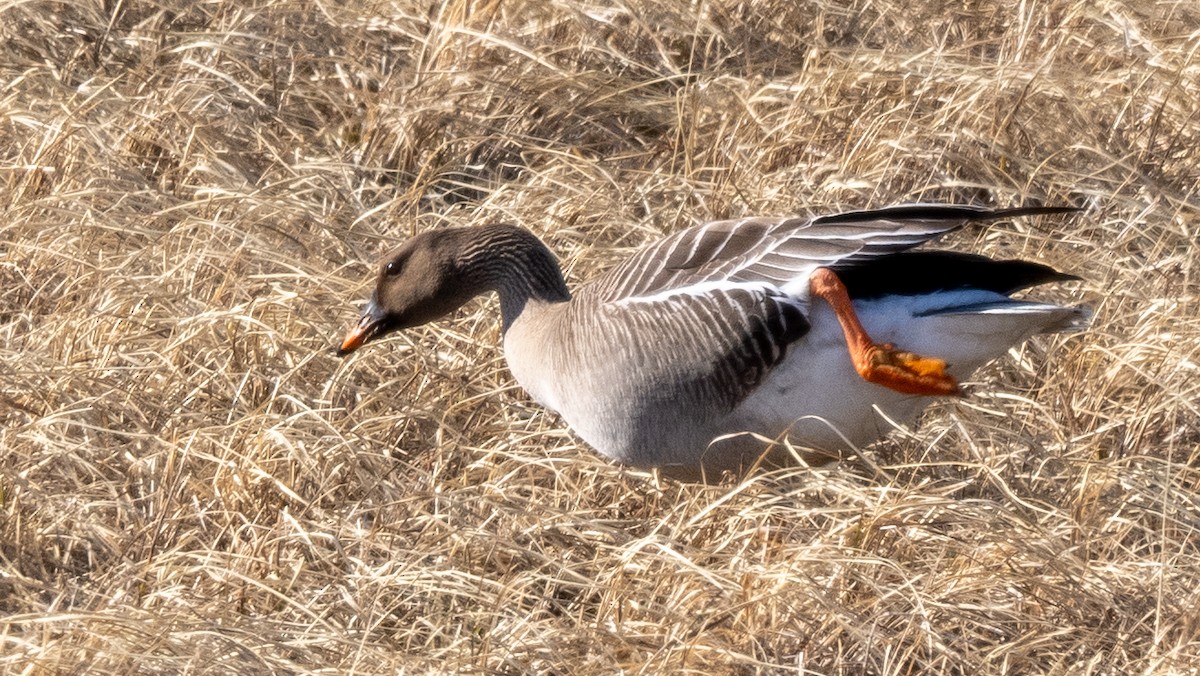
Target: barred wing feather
[[781, 251]]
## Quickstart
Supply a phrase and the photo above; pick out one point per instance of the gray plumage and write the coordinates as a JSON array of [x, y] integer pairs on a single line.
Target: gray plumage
[[711, 333]]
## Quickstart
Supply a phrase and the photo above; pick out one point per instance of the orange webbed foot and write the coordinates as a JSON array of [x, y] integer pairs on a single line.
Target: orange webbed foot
[[877, 363], [904, 371]]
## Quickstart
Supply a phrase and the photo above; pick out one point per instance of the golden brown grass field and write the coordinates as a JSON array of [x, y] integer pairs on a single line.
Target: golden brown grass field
[[192, 196]]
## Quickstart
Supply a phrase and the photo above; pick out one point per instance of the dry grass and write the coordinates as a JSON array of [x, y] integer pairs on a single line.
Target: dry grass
[[190, 196]]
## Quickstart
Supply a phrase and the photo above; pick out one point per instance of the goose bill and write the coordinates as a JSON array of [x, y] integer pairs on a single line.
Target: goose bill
[[366, 329]]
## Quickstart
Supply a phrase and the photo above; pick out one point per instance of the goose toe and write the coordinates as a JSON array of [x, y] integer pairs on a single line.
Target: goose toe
[[906, 372]]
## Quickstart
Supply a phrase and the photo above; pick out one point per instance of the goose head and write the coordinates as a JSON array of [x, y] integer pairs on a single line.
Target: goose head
[[423, 280], [438, 271]]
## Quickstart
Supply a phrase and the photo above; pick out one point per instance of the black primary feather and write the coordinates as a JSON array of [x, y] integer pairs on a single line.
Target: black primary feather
[[916, 272]]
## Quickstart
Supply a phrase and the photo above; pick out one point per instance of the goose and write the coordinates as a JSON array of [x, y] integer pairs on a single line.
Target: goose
[[696, 353]]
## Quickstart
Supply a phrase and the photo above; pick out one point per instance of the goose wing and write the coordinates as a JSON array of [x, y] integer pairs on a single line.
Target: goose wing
[[721, 302], [782, 251]]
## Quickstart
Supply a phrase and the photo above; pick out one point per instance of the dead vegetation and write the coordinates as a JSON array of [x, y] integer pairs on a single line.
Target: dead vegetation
[[191, 195]]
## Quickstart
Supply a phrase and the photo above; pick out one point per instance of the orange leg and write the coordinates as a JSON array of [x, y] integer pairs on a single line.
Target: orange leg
[[880, 364]]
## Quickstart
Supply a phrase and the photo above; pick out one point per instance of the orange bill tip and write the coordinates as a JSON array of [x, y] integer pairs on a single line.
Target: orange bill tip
[[354, 339]]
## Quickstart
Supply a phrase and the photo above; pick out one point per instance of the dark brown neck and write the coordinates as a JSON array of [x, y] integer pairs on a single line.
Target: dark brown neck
[[514, 263]]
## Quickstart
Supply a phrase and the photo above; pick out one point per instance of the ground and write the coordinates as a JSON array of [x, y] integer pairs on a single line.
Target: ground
[[192, 196]]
